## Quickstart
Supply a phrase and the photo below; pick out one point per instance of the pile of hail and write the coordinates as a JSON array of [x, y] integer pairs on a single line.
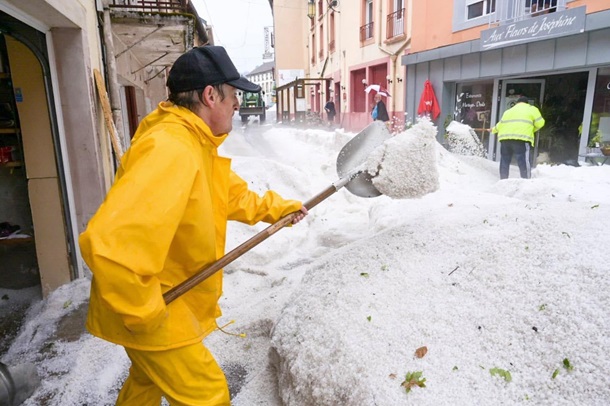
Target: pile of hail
[[404, 166]]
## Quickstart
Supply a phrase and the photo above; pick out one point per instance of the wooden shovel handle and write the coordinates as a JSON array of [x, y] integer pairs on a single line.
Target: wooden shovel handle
[[237, 252]]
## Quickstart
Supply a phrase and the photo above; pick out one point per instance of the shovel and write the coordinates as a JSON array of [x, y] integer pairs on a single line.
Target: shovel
[[352, 175], [17, 383]]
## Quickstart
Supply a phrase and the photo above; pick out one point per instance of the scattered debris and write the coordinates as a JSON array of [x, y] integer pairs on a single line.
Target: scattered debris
[[502, 373], [413, 379], [421, 352]]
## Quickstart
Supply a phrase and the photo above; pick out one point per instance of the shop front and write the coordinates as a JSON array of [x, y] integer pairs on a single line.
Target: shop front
[[567, 77], [50, 177]]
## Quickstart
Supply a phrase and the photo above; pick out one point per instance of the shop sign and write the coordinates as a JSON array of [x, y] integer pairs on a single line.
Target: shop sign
[[570, 21]]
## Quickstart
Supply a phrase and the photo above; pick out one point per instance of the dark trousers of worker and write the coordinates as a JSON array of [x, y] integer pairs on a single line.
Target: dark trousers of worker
[[521, 151]]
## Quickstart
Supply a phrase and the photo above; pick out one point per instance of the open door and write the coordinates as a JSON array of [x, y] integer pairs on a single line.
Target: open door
[[510, 91]]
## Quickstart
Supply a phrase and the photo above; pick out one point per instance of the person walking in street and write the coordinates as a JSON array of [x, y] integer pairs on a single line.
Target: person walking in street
[[163, 220], [379, 110], [330, 111], [516, 135]]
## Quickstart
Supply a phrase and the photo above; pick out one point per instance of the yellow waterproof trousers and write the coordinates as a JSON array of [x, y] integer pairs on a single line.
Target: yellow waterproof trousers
[[186, 376]]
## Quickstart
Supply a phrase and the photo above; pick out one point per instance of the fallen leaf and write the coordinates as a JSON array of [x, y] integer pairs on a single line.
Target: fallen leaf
[[421, 352], [501, 372], [413, 379], [392, 376], [555, 373]]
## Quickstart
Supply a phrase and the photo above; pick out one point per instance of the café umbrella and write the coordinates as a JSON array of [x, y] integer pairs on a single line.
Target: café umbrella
[[428, 104]]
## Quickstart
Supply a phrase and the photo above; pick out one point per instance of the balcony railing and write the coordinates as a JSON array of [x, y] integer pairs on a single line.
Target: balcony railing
[[331, 45], [396, 24], [510, 11], [321, 54], [366, 32], [151, 6]]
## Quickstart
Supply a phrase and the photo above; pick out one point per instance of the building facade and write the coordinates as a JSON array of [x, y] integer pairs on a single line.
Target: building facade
[[342, 58], [264, 76], [480, 56], [57, 159]]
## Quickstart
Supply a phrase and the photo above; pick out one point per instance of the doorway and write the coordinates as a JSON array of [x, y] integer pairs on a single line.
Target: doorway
[[43, 254], [561, 100], [533, 89]]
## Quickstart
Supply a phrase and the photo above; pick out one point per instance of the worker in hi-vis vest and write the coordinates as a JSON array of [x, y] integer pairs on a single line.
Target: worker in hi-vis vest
[[516, 134]]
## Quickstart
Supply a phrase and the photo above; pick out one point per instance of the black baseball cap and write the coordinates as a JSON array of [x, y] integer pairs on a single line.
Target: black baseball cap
[[204, 66]]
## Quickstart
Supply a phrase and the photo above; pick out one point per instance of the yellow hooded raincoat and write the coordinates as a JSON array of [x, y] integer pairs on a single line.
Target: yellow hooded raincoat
[[162, 221]]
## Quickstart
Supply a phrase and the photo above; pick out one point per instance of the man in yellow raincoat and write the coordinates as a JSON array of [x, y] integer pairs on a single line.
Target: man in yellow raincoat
[[164, 219]]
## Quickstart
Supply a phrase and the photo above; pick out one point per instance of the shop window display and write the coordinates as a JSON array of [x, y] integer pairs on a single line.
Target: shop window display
[[599, 128], [473, 107]]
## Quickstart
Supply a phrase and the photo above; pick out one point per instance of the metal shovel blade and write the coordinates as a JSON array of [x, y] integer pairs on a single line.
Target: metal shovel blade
[[17, 383], [355, 154]]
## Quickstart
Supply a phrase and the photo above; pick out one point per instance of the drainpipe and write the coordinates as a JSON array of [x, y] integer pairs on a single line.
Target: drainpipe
[[113, 85]]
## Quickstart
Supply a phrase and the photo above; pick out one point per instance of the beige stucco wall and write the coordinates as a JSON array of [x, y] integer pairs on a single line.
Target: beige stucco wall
[[432, 26], [290, 40]]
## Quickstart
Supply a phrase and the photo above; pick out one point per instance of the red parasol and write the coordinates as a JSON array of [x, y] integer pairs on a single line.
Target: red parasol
[[428, 103]]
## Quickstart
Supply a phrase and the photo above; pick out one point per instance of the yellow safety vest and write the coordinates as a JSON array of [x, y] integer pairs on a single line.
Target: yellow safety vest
[[519, 123]]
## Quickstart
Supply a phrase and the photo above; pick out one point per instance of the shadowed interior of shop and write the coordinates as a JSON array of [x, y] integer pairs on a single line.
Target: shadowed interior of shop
[[560, 98], [562, 108]]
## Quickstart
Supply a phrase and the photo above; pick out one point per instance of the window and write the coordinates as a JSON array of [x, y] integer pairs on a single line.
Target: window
[[473, 103], [368, 12], [398, 5], [475, 13], [366, 30], [321, 41], [479, 8], [599, 126], [395, 21], [331, 33], [538, 7], [313, 48]]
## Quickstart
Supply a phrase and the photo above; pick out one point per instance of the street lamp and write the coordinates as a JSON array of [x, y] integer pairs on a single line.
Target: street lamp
[[311, 9]]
